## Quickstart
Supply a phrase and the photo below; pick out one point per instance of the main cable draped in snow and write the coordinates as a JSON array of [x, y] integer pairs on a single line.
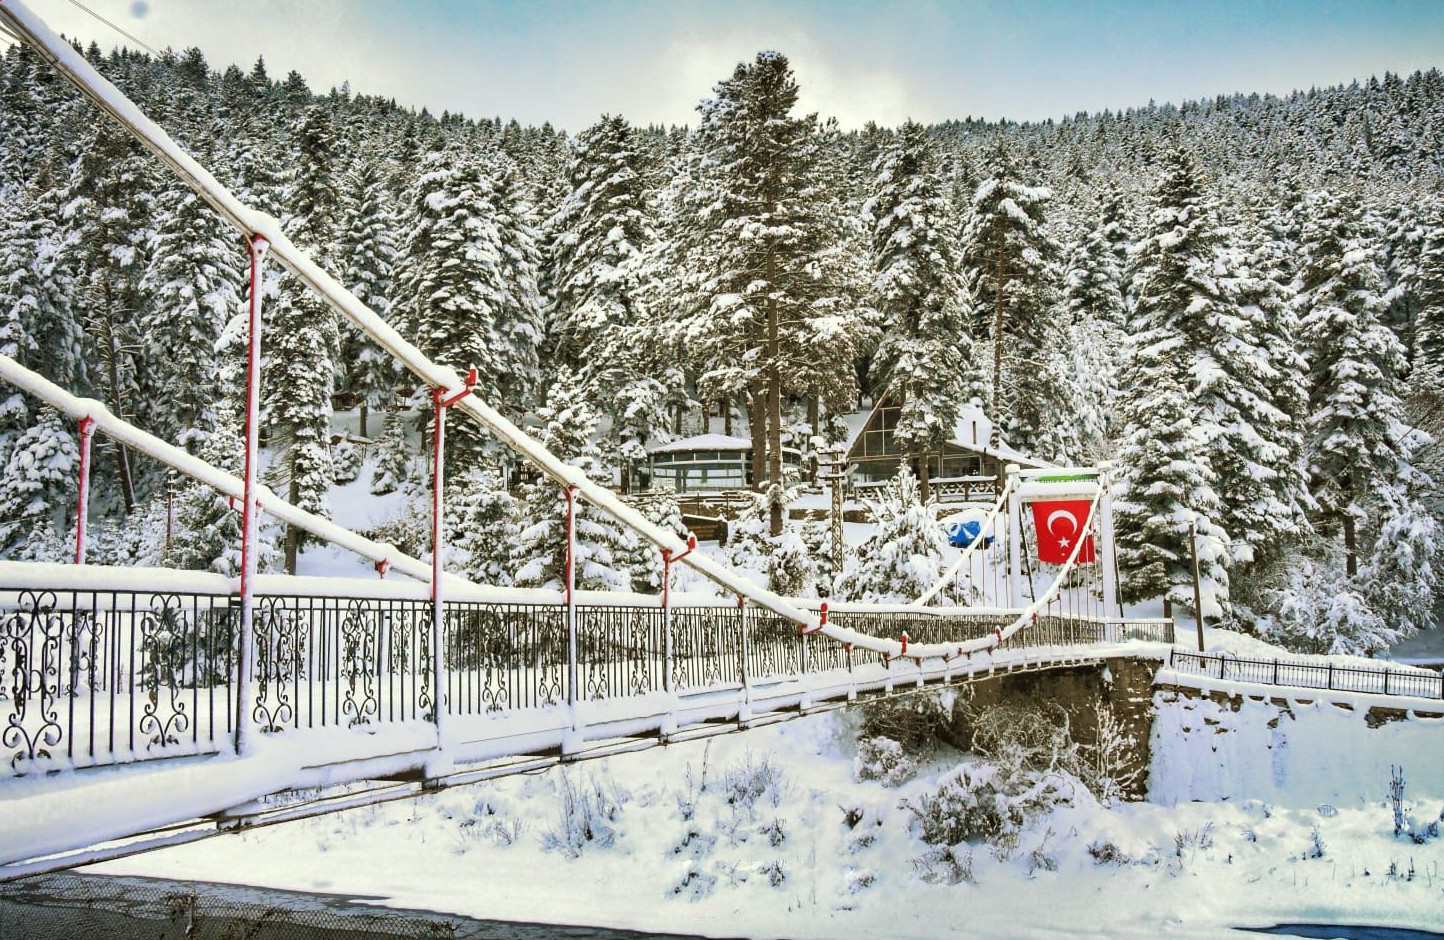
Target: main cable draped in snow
[[228, 484]]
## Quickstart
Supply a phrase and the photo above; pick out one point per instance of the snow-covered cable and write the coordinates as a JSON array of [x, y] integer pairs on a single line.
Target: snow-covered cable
[[74, 67], [123, 431], [967, 555]]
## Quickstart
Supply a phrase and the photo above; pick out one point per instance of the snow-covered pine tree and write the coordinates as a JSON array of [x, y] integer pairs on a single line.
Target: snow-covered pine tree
[[1355, 368], [37, 324], [1187, 340], [539, 547], [599, 238], [1096, 317], [1428, 290], [1362, 475], [206, 526], [1165, 490], [37, 485], [393, 459], [302, 333], [766, 313], [518, 321], [1260, 458], [108, 212], [366, 254], [1009, 261], [193, 286], [483, 523], [458, 296], [903, 557], [926, 345]]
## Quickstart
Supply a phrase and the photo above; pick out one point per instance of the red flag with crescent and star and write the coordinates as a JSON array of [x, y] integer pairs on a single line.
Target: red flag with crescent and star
[[1059, 524]]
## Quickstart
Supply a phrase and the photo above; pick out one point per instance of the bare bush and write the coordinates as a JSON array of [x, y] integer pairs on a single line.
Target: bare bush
[[946, 865], [1023, 737], [983, 801], [753, 780], [899, 733], [1107, 768], [590, 809]]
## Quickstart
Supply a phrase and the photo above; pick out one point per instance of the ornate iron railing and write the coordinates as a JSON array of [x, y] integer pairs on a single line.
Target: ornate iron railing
[[99, 677], [1309, 675], [91, 677]]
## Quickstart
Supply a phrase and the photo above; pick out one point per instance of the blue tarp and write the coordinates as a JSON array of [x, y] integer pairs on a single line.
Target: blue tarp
[[965, 533]]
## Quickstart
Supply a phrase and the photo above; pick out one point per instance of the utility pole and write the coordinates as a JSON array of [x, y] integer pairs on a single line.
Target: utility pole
[[835, 474], [1197, 587]]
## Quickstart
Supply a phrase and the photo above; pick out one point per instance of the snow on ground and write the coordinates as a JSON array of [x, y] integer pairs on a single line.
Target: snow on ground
[[748, 835]]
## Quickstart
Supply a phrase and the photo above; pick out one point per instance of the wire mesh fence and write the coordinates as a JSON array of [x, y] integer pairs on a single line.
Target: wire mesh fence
[[80, 907]]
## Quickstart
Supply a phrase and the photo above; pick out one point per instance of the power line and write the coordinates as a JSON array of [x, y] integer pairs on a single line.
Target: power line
[[107, 22]]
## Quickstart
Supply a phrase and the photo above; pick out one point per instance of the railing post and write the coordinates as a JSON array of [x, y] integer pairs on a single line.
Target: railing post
[[744, 634], [571, 597], [666, 621], [87, 430], [256, 247], [1329, 678], [667, 559], [1015, 537], [438, 599], [442, 401], [1107, 559]]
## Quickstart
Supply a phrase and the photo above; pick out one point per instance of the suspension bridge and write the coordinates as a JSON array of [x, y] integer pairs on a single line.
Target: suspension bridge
[[141, 708]]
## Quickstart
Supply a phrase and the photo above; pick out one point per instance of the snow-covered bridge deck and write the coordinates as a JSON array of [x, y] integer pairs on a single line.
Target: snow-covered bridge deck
[[122, 694]]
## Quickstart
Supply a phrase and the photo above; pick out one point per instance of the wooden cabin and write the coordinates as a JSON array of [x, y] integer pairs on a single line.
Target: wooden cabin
[[967, 469], [707, 463]]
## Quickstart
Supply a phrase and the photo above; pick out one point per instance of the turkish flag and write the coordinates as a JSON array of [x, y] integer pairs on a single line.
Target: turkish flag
[[1059, 524]]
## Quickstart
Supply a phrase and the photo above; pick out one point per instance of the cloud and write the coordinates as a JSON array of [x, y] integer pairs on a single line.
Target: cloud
[[828, 84]]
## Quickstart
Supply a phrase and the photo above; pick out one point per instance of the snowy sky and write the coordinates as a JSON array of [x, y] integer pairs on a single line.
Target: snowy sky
[[568, 61]]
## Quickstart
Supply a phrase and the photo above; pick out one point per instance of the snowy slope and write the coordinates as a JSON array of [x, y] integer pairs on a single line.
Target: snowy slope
[[693, 848]]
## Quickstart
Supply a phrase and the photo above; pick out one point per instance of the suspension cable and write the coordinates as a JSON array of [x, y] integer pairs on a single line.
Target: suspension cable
[[107, 22]]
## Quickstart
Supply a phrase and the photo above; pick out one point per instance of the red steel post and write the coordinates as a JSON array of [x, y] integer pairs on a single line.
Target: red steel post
[[87, 430], [256, 247]]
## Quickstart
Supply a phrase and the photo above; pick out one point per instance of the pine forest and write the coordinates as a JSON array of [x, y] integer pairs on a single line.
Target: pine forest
[[1238, 301]]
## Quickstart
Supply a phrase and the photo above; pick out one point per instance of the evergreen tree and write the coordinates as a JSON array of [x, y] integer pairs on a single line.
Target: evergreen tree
[[1097, 323], [767, 311], [926, 341], [367, 256], [1428, 288], [539, 547], [109, 213], [193, 288], [458, 296], [903, 557], [37, 485], [1009, 256], [302, 333], [599, 325], [483, 518], [392, 460], [1164, 494], [1355, 368]]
